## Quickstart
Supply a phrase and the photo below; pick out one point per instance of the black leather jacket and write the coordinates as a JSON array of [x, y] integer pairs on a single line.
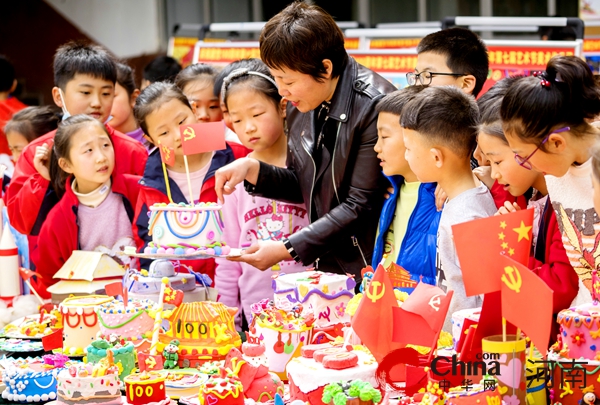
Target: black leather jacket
[[351, 190]]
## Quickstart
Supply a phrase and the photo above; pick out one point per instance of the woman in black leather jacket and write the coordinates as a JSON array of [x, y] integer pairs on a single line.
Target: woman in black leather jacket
[[331, 164]]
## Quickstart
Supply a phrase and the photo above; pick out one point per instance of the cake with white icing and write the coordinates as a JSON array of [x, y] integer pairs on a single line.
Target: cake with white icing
[[29, 379], [186, 229], [86, 384], [80, 322], [131, 322]]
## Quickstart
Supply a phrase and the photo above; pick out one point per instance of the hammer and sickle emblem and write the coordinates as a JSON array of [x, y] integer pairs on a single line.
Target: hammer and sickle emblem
[[435, 301], [512, 278], [373, 289], [150, 362], [188, 134]]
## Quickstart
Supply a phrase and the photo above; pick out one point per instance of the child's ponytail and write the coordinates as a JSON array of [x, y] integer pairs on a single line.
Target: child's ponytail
[[563, 95], [62, 147]]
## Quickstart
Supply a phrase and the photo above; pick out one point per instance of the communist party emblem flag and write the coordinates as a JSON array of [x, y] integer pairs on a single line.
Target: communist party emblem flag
[[204, 137], [479, 242], [372, 321], [526, 301], [420, 319], [167, 155], [172, 296]]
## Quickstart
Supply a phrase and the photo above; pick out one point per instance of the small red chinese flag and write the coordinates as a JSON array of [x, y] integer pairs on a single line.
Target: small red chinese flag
[[372, 321], [421, 317], [478, 243], [173, 297], [53, 340], [522, 288], [203, 137], [167, 155], [26, 274], [114, 289]]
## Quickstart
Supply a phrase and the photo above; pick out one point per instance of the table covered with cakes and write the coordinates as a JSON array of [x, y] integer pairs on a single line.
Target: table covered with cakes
[[160, 336]]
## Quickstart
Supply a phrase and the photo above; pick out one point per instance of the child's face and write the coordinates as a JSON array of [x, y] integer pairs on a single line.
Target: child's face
[[546, 163], [596, 185], [91, 158], [255, 118], [200, 93], [418, 156], [515, 179], [163, 124], [390, 145], [86, 94], [122, 107], [16, 144], [436, 63]]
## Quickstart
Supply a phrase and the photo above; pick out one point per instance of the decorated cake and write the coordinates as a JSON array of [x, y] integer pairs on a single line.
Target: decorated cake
[[80, 322], [123, 354], [205, 331], [29, 379], [147, 388], [222, 389], [282, 333], [184, 229], [458, 321], [351, 393], [131, 323], [89, 384], [324, 295], [183, 383], [251, 368], [309, 374]]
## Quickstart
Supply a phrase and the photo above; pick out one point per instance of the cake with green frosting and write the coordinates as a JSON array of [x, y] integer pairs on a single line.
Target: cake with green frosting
[[351, 393], [124, 355]]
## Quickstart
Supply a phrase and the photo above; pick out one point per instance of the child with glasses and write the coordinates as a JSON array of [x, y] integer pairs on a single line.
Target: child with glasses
[[549, 259], [440, 129], [545, 120]]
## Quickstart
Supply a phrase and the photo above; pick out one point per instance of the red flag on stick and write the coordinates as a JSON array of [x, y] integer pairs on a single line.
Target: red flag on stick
[[478, 243], [53, 340], [203, 137], [167, 155], [521, 288], [173, 297], [372, 321]]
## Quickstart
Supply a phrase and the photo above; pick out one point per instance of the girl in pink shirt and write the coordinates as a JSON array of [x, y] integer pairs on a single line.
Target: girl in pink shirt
[[257, 113]]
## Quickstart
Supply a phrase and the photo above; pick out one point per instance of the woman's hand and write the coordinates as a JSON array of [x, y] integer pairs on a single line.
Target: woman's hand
[[41, 160], [227, 177], [263, 255], [507, 208]]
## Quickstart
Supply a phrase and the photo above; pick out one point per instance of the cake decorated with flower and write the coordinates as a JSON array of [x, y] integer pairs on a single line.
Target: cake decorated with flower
[[122, 352], [80, 322], [224, 388], [31, 379], [205, 331], [89, 384], [186, 229], [132, 322], [351, 393]]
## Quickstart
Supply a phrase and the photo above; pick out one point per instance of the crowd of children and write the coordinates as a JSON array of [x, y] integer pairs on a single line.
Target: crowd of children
[[326, 138]]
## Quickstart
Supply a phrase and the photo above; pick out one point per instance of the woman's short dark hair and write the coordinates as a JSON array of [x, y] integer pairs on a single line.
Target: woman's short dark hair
[[300, 37]]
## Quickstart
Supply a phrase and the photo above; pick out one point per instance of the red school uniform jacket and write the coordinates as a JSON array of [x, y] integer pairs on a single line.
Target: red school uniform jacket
[[8, 108], [154, 191], [59, 235], [29, 199]]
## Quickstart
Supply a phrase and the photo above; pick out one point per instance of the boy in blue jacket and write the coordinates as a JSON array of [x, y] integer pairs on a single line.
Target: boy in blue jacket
[[408, 224]]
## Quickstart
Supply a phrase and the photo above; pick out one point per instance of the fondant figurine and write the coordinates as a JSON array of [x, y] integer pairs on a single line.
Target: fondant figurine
[[171, 354], [588, 398]]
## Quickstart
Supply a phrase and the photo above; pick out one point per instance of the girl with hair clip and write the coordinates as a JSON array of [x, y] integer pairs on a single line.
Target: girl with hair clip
[[548, 259], [257, 113], [545, 118], [96, 206], [160, 109], [196, 82], [126, 92]]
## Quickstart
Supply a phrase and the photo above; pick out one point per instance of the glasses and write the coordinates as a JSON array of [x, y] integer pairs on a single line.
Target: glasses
[[524, 161], [425, 78]]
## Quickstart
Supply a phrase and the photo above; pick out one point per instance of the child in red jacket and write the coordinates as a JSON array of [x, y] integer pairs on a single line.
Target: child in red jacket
[[549, 259], [160, 110], [85, 77], [96, 207]]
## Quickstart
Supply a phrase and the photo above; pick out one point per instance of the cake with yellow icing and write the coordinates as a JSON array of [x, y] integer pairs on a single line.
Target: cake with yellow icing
[[205, 331]]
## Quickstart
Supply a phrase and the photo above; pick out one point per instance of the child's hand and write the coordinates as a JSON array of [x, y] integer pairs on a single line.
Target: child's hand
[[484, 173], [507, 208], [227, 177], [440, 198], [41, 160], [389, 192]]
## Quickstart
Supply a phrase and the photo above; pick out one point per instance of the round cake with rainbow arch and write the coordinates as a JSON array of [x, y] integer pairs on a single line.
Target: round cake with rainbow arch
[[186, 229]]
